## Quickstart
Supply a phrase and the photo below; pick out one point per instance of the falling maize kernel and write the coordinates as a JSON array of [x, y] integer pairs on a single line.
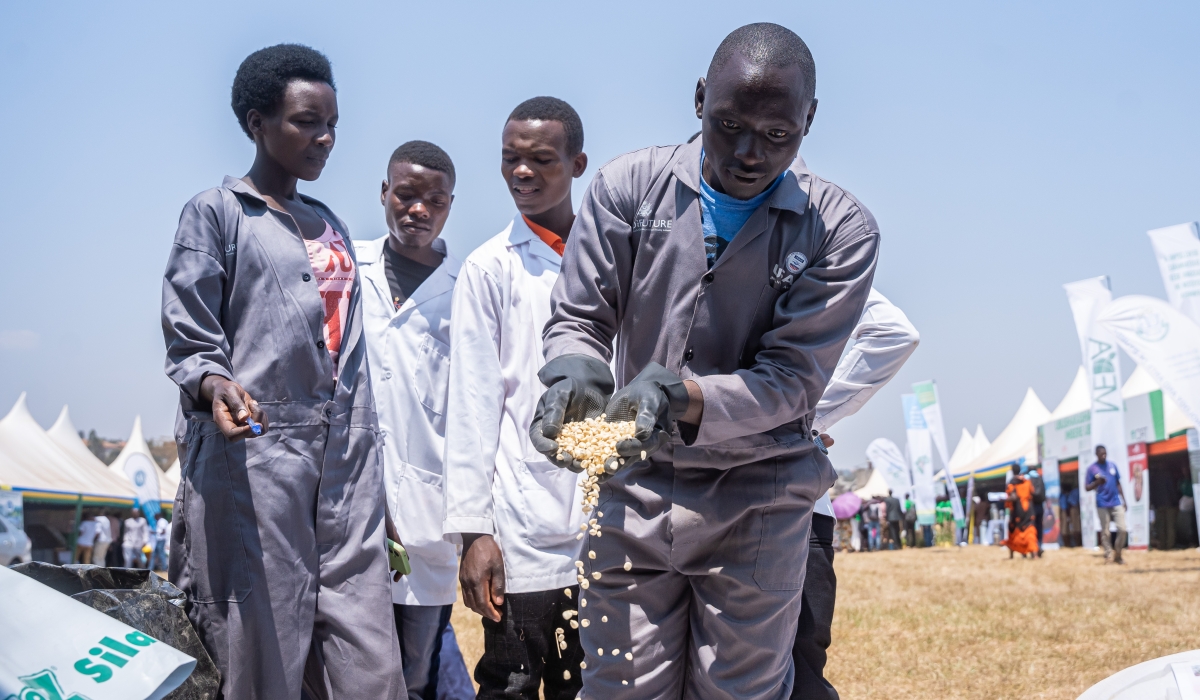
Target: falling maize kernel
[[562, 645], [591, 555], [582, 664], [628, 565], [624, 682], [629, 656], [584, 584], [600, 652], [604, 618], [643, 454], [567, 592], [582, 603], [574, 625], [596, 575], [585, 622]]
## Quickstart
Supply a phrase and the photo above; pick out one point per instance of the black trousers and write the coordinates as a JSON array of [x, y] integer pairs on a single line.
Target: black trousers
[[1039, 510], [521, 652], [813, 636], [894, 532]]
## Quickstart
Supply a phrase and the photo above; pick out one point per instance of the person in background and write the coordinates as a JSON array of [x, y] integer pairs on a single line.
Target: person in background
[[875, 513], [137, 535], [910, 520], [408, 280], [980, 511], [1104, 478], [84, 540], [280, 539], [1019, 498], [104, 538], [1039, 504], [162, 535], [893, 517], [518, 514], [1068, 502], [879, 346]]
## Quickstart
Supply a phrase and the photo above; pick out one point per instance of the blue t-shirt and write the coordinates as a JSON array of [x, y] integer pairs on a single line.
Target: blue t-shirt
[[1108, 494], [722, 216]]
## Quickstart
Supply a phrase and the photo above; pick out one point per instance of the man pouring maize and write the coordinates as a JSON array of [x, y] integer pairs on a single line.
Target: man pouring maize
[[722, 279]]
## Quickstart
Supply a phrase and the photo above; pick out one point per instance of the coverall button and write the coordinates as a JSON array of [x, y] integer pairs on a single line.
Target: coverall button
[[387, 375], [688, 355], [321, 344], [709, 277], [306, 277]]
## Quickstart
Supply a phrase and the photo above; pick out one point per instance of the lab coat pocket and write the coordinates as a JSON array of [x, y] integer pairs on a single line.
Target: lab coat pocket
[[216, 555], [419, 511], [431, 375], [549, 506]]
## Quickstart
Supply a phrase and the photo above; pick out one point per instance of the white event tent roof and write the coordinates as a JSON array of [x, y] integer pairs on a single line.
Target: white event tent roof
[[33, 463], [136, 444], [1017, 440]]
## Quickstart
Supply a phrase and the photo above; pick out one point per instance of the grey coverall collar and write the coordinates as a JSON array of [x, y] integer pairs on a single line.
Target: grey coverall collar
[[239, 186], [790, 195]]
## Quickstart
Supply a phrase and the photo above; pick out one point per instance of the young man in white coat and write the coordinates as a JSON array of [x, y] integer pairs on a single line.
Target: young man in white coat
[[881, 343], [725, 279], [408, 279], [517, 513]]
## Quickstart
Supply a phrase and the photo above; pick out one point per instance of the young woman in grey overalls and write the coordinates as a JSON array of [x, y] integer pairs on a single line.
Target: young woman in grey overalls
[[278, 538]]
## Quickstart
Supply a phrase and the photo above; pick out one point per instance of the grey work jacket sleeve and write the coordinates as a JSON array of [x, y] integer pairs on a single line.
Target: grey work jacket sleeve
[[812, 321], [586, 313], [193, 291]]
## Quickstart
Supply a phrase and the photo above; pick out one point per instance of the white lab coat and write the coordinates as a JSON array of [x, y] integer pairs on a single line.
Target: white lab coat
[[496, 483], [409, 354], [879, 347]]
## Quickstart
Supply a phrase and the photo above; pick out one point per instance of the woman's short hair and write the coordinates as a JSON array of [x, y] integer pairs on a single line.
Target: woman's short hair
[[264, 76]]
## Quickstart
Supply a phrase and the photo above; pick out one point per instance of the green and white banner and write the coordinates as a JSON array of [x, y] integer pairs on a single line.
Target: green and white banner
[[1088, 298], [1178, 251], [920, 456], [931, 411]]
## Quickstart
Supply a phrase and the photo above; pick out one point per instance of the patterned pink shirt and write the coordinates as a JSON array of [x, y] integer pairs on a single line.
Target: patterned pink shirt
[[334, 270]]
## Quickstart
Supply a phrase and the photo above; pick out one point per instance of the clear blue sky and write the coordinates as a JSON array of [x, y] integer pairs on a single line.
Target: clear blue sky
[[1004, 148]]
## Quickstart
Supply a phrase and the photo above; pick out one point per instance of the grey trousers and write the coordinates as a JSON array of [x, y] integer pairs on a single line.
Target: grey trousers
[[710, 604], [278, 542], [1107, 515]]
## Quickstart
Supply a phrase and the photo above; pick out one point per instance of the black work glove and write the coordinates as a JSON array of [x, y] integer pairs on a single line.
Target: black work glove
[[579, 386], [654, 400]]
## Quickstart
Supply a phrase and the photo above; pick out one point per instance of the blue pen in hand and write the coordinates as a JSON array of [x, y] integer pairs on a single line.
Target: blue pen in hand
[[255, 426]]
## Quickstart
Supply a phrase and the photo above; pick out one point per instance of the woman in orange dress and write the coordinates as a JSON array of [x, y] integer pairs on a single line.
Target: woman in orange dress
[[1022, 536]]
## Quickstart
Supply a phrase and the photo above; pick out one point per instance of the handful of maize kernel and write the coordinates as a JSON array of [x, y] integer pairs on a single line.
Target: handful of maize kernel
[[594, 443]]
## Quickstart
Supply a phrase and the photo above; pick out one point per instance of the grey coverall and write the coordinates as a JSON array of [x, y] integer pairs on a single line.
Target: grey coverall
[[277, 540], [716, 525]]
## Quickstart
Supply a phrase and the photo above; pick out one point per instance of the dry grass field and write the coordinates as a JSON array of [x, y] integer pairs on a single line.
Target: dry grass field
[[970, 623]]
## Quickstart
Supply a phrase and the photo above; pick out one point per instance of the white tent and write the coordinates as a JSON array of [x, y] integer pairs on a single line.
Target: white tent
[[168, 483], [136, 450], [969, 447], [964, 452], [981, 441], [64, 434], [1140, 382], [1077, 400], [876, 486], [36, 465], [1017, 440]]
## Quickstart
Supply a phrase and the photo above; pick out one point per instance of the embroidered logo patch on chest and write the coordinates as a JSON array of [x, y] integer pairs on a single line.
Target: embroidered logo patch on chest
[[796, 262]]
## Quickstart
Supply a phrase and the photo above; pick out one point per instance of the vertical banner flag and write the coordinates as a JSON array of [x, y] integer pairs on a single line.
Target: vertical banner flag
[[920, 459], [1138, 481], [144, 475], [1178, 251], [1164, 342], [886, 457], [1103, 365], [1052, 513], [931, 411], [12, 507]]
